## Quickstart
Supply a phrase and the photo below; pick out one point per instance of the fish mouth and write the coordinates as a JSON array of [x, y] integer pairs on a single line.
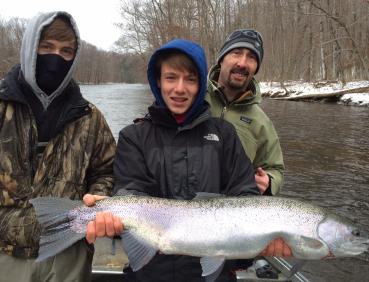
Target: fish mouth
[[356, 246]]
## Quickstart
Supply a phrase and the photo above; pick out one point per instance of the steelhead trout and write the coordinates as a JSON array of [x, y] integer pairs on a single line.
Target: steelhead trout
[[213, 228]]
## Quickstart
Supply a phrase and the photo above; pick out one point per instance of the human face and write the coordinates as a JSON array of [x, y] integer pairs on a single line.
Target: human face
[[65, 49], [237, 69], [178, 88]]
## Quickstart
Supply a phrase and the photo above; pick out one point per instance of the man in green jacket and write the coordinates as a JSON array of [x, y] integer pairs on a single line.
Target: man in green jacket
[[53, 142], [234, 95]]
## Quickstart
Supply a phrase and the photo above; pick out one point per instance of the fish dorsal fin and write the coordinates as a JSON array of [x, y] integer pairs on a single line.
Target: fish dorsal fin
[[211, 267], [205, 195], [138, 252]]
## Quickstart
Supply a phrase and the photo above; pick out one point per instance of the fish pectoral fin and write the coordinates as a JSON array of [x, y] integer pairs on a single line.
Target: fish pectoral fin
[[211, 267], [311, 247], [138, 252], [312, 243]]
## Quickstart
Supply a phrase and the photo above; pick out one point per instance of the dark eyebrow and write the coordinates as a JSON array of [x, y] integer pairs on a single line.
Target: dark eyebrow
[[45, 42], [252, 54], [169, 72], [69, 48]]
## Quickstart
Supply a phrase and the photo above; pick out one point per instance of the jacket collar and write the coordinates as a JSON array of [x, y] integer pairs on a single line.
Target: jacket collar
[[162, 116], [10, 87], [13, 88]]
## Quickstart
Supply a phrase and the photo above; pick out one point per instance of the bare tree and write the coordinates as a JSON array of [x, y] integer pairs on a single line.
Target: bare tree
[[11, 33], [307, 39], [303, 39], [96, 66]]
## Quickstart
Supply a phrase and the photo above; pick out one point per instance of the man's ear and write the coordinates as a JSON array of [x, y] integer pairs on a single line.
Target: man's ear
[[158, 82]]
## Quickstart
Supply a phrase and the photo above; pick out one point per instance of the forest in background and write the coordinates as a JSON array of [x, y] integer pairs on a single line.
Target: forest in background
[[309, 40]]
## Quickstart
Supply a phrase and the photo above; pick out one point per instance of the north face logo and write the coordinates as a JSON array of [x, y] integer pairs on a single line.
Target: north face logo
[[211, 137]]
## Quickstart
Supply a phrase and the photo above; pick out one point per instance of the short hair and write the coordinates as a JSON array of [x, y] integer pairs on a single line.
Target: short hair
[[177, 60], [60, 29]]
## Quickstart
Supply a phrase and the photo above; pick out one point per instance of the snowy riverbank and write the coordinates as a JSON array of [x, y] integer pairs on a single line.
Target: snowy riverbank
[[352, 93]]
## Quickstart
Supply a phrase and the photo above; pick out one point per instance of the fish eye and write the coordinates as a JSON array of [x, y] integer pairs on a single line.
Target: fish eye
[[355, 232]]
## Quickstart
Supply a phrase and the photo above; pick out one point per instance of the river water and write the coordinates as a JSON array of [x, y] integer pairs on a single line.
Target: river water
[[325, 148]]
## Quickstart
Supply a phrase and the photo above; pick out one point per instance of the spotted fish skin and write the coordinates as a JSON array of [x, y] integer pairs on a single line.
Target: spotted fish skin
[[215, 227]]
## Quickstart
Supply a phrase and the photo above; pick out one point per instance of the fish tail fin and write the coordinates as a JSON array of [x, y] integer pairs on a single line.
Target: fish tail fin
[[54, 217]]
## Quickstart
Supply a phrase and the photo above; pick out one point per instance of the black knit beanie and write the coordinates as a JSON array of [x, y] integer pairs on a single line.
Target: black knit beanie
[[243, 38]]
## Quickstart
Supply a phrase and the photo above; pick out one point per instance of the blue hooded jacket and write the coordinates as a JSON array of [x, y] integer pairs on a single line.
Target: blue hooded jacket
[[197, 54]]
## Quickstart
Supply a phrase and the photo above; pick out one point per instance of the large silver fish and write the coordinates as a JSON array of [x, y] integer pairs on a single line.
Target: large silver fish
[[213, 228]]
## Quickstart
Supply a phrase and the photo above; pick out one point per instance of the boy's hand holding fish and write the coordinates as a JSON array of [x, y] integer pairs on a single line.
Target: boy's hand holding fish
[[105, 223]]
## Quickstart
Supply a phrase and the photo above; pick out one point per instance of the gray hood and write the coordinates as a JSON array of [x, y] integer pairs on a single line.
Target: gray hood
[[28, 53]]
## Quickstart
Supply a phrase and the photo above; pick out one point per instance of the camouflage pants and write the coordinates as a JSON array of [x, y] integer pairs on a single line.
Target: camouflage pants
[[72, 265]]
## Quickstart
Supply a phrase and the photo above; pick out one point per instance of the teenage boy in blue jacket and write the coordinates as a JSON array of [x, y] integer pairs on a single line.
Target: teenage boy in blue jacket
[[177, 150]]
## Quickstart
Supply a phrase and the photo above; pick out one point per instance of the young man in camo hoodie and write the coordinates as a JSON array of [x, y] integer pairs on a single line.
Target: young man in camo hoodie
[[53, 143]]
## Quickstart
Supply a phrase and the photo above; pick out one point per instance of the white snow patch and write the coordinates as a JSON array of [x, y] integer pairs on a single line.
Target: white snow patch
[[295, 88]]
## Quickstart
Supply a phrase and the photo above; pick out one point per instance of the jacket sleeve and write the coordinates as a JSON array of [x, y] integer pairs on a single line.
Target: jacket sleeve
[[237, 170], [99, 176], [131, 173], [269, 157], [19, 227]]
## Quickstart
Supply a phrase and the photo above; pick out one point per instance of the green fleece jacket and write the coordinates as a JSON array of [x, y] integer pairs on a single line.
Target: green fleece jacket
[[256, 131]]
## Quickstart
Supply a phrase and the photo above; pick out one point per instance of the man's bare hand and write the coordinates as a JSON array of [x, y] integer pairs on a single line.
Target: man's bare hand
[[261, 179], [90, 200]]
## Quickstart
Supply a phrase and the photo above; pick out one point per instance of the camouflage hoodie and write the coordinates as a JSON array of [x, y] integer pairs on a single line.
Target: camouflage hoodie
[[77, 160]]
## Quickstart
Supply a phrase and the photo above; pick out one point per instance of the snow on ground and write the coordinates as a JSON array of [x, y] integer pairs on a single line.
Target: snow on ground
[[295, 88], [356, 99]]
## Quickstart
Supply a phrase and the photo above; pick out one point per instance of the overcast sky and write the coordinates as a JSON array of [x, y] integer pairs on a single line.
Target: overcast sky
[[95, 18]]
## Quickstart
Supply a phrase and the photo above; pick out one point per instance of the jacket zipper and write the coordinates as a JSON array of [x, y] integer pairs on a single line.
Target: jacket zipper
[[223, 112], [186, 160], [32, 145]]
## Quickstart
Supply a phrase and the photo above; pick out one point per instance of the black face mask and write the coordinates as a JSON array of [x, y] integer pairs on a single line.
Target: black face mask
[[51, 70]]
